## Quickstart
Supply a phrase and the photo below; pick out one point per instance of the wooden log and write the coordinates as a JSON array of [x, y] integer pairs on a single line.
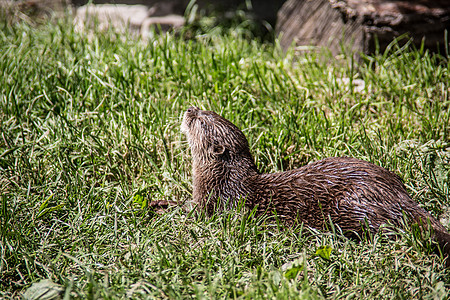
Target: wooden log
[[358, 24]]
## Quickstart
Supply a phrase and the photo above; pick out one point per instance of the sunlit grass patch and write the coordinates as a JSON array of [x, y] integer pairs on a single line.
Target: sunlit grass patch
[[89, 135]]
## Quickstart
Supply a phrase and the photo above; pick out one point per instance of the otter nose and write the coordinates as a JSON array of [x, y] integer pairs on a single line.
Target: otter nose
[[192, 109]]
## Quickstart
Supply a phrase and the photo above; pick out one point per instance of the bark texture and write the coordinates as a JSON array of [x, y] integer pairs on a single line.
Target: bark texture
[[357, 24]]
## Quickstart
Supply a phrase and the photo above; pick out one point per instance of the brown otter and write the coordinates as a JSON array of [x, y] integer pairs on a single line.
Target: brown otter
[[354, 194]]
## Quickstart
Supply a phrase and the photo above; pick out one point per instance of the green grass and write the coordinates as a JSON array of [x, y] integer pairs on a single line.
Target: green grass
[[90, 134]]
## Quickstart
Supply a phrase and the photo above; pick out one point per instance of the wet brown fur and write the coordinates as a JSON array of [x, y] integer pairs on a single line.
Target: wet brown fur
[[354, 194]]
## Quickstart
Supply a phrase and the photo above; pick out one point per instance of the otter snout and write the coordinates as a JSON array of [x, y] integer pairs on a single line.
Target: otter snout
[[189, 115], [192, 109]]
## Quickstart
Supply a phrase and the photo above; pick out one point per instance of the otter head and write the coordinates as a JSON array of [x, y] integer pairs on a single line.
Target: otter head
[[221, 158], [212, 137]]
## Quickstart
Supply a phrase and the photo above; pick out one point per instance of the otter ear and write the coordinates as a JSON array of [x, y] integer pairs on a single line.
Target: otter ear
[[217, 149]]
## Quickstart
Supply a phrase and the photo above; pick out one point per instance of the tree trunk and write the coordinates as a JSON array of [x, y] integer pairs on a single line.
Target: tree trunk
[[361, 24]]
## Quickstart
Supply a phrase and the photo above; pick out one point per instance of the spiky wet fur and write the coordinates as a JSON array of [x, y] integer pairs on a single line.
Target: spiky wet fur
[[354, 194]]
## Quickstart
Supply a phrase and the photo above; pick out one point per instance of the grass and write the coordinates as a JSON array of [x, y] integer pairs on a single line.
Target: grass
[[90, 135]]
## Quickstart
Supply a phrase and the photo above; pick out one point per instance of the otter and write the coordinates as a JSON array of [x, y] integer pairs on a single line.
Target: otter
[[356, 195]]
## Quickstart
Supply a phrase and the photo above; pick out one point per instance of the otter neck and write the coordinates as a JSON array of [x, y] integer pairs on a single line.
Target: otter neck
[[221, 184]]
